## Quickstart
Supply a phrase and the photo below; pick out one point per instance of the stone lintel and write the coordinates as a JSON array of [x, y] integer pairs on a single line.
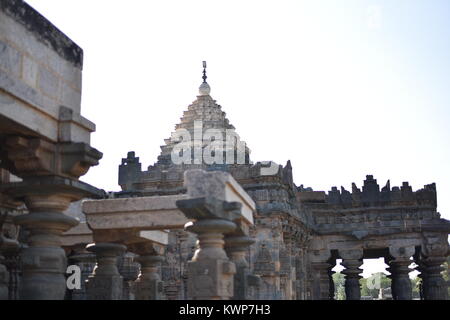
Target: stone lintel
[[76, 235], [138, 213]]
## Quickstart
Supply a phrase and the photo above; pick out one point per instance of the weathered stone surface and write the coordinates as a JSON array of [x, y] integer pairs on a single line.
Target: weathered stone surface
[[105, 283], [219, 185], [141, 213]]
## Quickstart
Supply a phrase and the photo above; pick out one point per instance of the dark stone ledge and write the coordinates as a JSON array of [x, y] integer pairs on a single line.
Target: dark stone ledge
[[44, 30]]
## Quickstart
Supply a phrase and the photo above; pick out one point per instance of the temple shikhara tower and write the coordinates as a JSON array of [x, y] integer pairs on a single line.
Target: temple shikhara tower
[[203, 222]]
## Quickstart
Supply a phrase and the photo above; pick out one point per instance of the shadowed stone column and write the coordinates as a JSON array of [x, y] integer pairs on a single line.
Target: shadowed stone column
[[105, 283], [399, 269], [434, 253], [86, 262], [434, 285], [210, 272], [44, 261], [49, 173], [129, 270], [330, 278], [148, 285], [4, 275], [236, 248], [352, 260], [320, 268]]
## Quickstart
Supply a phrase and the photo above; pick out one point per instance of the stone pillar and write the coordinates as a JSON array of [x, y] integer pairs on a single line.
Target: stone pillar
[[4, 275], [301, 272], [399, 269], [105, 283], [320, 274], [236, 248], [321, 280], [86, 262], [44, 261], [148, 285], [210, 272], [8, 243], [129, 270], [330, 278], [352, 260], [433, 254], [434, 285], [49, 173]]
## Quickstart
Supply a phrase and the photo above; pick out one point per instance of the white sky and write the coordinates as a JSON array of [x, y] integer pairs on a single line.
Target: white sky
[[341, 88]]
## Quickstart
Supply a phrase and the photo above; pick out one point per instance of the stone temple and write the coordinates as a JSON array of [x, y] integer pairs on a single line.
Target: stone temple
[[203, 222]]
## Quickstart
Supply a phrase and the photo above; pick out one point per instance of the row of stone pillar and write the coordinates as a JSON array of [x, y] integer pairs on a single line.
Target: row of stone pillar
[[106, 282], [433, 284], [218, 269]]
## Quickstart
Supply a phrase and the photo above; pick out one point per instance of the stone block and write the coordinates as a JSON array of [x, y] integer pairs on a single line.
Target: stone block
[[157, 236], [30, 71], [104, 287], [69, 97], [10, 59], [140, 213], [210, 279], [48, 82]]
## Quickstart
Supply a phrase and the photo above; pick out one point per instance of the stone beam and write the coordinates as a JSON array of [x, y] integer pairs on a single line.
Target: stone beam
[[138, 213]]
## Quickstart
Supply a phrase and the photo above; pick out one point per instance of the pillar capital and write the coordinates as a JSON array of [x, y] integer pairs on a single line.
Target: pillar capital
[[351, 254], [401, 252], [30, 157]]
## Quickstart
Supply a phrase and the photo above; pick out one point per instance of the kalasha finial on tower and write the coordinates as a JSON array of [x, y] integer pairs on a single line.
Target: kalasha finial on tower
[[204, 71], [204, 89]]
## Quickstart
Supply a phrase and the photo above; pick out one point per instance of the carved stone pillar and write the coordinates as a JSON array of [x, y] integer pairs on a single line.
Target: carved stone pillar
[[352, 260], [4, 276], [210, 272], [44, 261], [148, 285], [320, 274], [236, 248], [330, 278], [434, 253], [434, 285], [105, 283], [399, 269], [129, 270], [8, 243], [86, 262], [301, 273], [49, 173]]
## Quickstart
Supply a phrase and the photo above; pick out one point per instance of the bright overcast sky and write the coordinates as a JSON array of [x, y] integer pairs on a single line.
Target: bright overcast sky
[[341, 88]]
